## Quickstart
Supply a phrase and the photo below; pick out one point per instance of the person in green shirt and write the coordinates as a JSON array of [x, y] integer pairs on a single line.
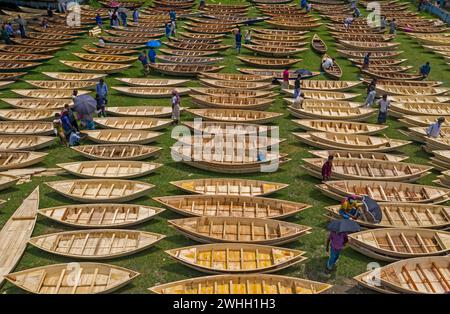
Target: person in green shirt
[[5, 35]]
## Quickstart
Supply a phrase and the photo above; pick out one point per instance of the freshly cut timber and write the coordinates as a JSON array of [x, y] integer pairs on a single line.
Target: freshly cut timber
[[196, 46], [26, 128], [11, 75], [373, 54], [239, 230], [272, 51], [419, 99], [232, 102], [17, 65], [110, 169], [96, 244], [188, 53], [150, 92], [68, 76], [323, 95], [48, 93], [236, 84], [38, 103], [405, 215], [326, 85], [392, 75], [231, 206], [141, 111], [389, 191], [228, 186], [24, 142], [19, 159], [151, 82], [92, 278], [242, 284], [269, 62], [27, 49], [331, 112], [109, 51], [95, 67], [397, 243], [318, 44], [232, 92], [39, 43], [117, 151], [184, 69], [117, 136], [418, 275], [357, 155], [238, 77], [101, 215], [100, 190], [235, 115], [5, 56], [16, 233], [133, 123], [105, 58], [339, 126], [220, 258], [27, 114], [62, 84], [368, 169]]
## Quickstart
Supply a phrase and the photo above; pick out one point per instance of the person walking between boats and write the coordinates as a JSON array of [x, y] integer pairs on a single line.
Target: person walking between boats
[[366, 60], [384, 104], [425, 69], [434, 130], [5, 35], [392, 27], [383, 23], [59, 130], [371, 94], [327, 168], [248, 37], [238, 39], [356, 12], [349, 207], [285, 83], [144, 60], [176, 100], [173, 28], [297, 85], [347, 22], [98, 20], [303, 4], [298, 101], [114, 19], [168, 30], [335, 243], [136, 15], [202, 4], [102, 96], [21, 23], [123, 17], [152, 55]]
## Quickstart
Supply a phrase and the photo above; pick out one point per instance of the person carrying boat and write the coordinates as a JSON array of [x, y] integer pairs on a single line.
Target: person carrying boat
[[434, 130], [335, 243], [425, 69], [384, 104], [327, 168], [349, 207]]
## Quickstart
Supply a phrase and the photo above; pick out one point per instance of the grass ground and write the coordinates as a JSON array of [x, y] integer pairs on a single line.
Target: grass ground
[[153, 264]]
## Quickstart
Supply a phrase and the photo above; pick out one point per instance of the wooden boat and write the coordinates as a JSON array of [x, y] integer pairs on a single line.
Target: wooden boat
[[269, 62], [418, 275], [242, 284], [231, 205], [27, 49], [95, 67], [377, 62], [133, 123], [96, 244], [293, 24], [62, 84], [228, 186], [11, 75], [39, 43], [419, 109], [242, 85], [326, 85], [201, 36], [397, 243], [387, 68], [50, 36], [232, 92], [134, 35], [150, 92], [26, 128], [272, 51], [350, 141], [318, 45], [100, 190], [48, 93], [117, 136], [331, 112], [38, 103], [404, 215], [392, 75], [357, 155], [391, 83], [196, 40], [141, 111], [275, 43], [24, 142], [424, 99], [67, 76], [188, 53], [374, 54], [366, 37], [368, 169], [389, 191], [109, 51], [235, 115], [92, 278], [126, 40], [411, 90], [101, 215], [280, 37], [117, 151], [443, 155], [197, 46], [19, 159], [52, 30], [189, 60], [220, 258], [110, 169], [370, 280], [237, 77], [239, 230], [17, 65], [151, 82], [104, 58], [243, 141], [334, 72], [5, 56], [322, 95], [184, 69], [229, 102], [339, 126], [16, 232], [208, 30]]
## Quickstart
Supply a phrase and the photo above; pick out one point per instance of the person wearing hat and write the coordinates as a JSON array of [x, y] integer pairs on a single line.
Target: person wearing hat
[[434, 130], [349, 207]]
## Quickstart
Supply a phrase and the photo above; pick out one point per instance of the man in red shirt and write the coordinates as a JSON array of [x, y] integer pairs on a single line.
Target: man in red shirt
[[285, 84], [326, 168]]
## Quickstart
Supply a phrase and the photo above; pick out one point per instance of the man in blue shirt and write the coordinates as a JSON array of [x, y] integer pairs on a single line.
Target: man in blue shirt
[[425, 69], [168, 31], [144, 60], [102, 92], [135, 15], [238, 38], [173, 15], [152, 56], [98, 20], [303, 4]]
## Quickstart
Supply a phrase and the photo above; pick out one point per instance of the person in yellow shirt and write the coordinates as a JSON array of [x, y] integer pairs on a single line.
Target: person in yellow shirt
[[349, 207]]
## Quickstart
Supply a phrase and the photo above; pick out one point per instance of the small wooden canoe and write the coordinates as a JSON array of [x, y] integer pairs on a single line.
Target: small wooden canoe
[[38, 103], [318, 45], [11, 75], [16, 232], [219, 205], [19, 159], [68, 76], [235, 115], [196, 40], [132, 35], [117, 151], [28, 49], [200, 35], [96, 244], [242, 284], [225, 102], [239, 230], [100, 190], [268, 62], [231, 141], [419, 99], [276, 43], [62, 84], [196, 46], [189, 60], [27, 114], [39, 43], [377, 62], [141, 111], [26, 128], [399, 83], [126, 40], [420, 109], [273, 51], [92, 278], [104, 58], [327, 85], [232, 92], [117, 136], [101, 215], [150, 92], [392, 75], [373, 54], [229, 128], [50, 36], [293, 24], [219, 258], [17, 65], [357, 155], [177, 69], [151, 82], [133, 123], [274, 73], [323, 95], [339, 126], [188, 53], [48, 93], [368, 45], [284, 32], [280, 37], [331, 112], [109, 51], [24, 142], [95, 67], [110, 169], [411, 90], [236, 84], [237, 77], [5, 56]]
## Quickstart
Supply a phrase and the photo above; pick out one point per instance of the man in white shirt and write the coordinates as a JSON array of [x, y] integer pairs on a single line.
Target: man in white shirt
[[327, 62], [384, 104], [434, 130]]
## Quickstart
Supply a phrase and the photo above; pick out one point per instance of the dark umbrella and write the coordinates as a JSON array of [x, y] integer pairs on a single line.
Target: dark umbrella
[[303, 72], [123, 10], [114, 4], [371, 209], [343, 225], [153, 44], [84, 104]]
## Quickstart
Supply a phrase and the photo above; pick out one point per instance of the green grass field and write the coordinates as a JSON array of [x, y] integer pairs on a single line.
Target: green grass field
[[153, 264]]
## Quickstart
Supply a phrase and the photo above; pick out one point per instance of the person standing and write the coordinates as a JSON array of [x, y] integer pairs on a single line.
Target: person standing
[[21, 23], [59, 130], [5, 35], [173, 16], [297, 85], [303, 4], [202, 4], [425, 70], [248, 37], [168, 30], [308, 7], [327, 168], [384, 104], [285, 84], [115, 19], [136, 15], [144, 60], [173, 28], [392, 27], [434, 130], [176, 100], [9, 29], [238, 40], [152, 55], [102, 95], [335, 243], [371, 93], [123, 17], [366, 60], [383, 22], [98, 20]]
